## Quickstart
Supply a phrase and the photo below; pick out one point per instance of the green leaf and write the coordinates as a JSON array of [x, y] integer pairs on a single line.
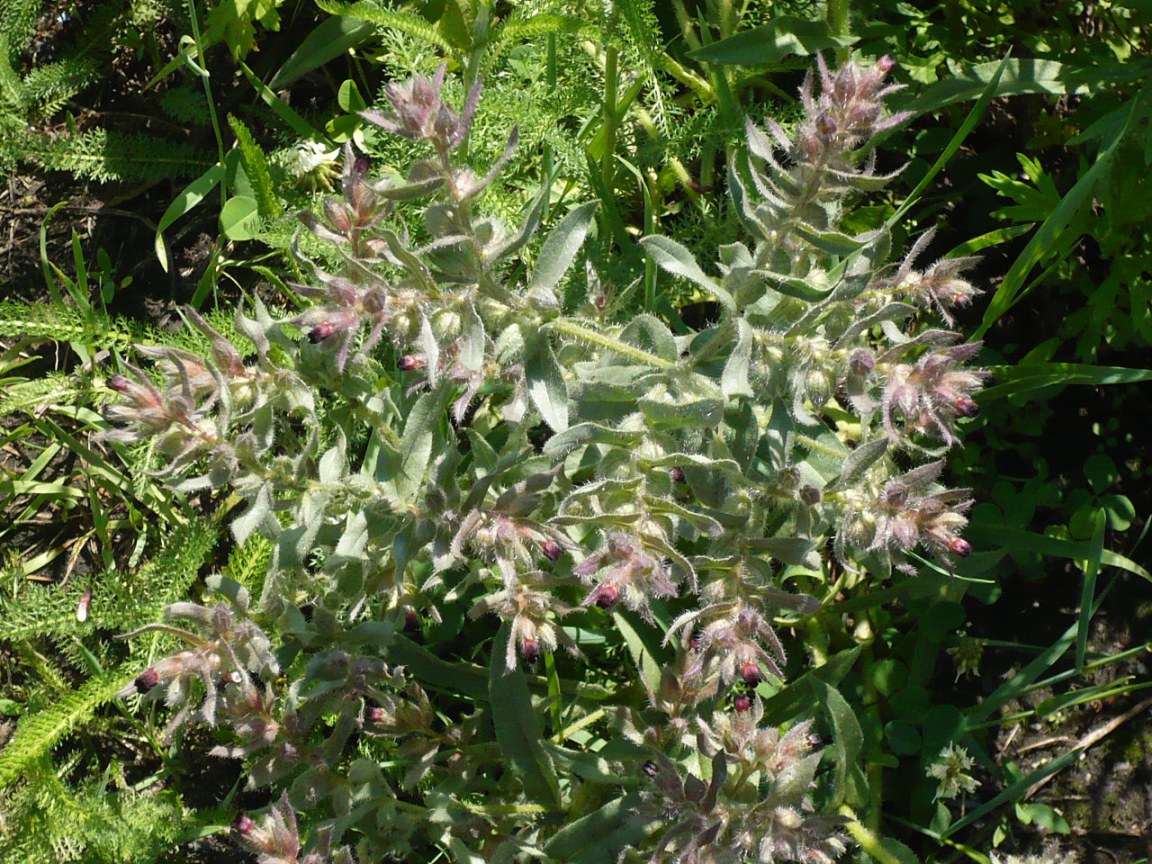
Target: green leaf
[[1013, 288], [644, 646], [416, 443], [517, 727], [39, 732], [734, 379], [770, 43], [193, 194], [600, 836], [406, 22], [331, 39], [1017, 381], [240, 217], [582, 434], [678, 261], [560, 248], [545, 381], [847, 736], [258, 512], [1018, 77], [1026, 541]]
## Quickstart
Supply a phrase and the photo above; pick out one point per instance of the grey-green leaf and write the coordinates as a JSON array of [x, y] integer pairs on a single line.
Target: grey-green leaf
[[517, 727], [416, 444], [678, 261], [561, 247], [545, 381]]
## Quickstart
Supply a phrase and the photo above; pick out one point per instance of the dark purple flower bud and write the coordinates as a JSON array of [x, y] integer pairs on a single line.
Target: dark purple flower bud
[[410, 363], [959, 547], [321, 332], [243, 825], [606, 596], [119, 383], [411, 622], [677, 475], [861, 362], [742, 703], [551, 549], [361, 165], [965, 406], [650, 768], [750, 672], [530, 650], [146, 680], [375, 714], [810, 495]]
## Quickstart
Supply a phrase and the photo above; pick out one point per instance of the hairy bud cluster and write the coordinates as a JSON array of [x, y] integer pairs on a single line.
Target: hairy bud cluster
[[474, 443]]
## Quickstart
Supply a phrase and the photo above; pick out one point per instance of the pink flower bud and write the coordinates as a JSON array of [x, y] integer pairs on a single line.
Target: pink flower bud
[[959, 547], [411, 362], [375, 714], [750, 672], [243, 825], [551, 549], [965, 406], [321, 332], [530, 650], [119, 383], [885, 65], [606, 596], [146, 680], [742, 703]]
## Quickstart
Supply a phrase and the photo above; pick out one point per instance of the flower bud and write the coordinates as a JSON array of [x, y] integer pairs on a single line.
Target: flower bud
[[375, 714], [551, 550], [530, 650], [606, 596], [750, 672], [742, 703], [965, 406], [861, 362], [959, 547], [146, 680], [321, 332], [650, 768], [119, 383], [677, 475], [411, 622], [411, 362], [243, 825], [885, 65], [810, 495]]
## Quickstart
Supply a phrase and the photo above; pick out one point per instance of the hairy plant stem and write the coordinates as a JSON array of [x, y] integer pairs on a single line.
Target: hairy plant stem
[[608, 343]]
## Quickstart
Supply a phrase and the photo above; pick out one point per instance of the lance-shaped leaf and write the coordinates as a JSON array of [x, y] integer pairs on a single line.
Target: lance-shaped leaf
[[734, 380], [545, 381], [416, 444], [560, 248], [678, 261], [518, 728]]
